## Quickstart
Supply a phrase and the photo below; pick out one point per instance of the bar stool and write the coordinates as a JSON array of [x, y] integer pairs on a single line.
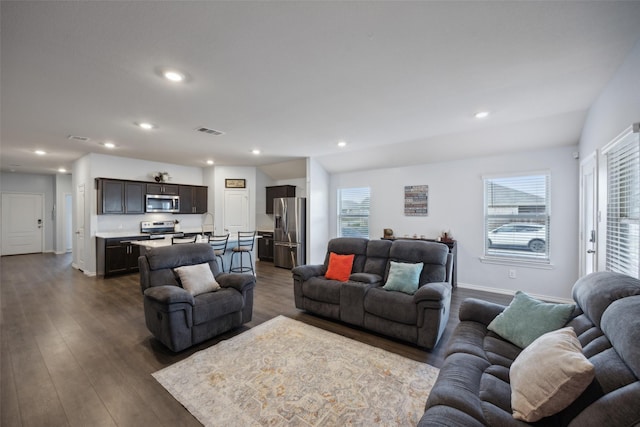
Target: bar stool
[[219, 245], [177, 240], [246, 239]]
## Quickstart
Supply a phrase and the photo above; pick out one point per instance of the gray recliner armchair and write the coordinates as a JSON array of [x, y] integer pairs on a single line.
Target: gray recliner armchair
[[176, 317]]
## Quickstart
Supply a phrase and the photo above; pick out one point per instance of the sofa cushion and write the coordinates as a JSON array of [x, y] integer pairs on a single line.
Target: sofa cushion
[[621, 324], [433, 255], [596, 291], [526, 318], [377, 256], [396, 306], [215, 304], [549, 375], [403, 277], [321, 289], [347, 246], [339, 267], [197, 279]]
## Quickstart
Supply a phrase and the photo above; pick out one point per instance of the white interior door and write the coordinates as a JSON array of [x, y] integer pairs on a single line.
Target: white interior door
[[80, 221], [588, 215], [22, 223], [236, 211]]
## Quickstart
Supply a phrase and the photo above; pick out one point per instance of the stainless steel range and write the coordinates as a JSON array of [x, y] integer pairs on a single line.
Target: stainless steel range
[[157, 229]]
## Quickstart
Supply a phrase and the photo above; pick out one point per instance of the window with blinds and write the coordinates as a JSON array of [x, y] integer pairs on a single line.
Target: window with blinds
[[517, 217], [353, 212], [623, 205]]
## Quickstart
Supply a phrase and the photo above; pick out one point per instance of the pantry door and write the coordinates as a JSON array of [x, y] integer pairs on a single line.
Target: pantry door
[[22, 223], [236, 211]]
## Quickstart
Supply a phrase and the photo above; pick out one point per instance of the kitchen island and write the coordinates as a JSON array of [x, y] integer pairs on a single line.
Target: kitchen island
[[232, 243]]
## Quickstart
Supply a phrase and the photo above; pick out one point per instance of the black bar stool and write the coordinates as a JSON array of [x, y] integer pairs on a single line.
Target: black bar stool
[[219, 245], [246, 239]]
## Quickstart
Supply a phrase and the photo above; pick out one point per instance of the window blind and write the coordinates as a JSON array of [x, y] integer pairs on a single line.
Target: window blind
[[353, 212], [517, 217], [623, 206]]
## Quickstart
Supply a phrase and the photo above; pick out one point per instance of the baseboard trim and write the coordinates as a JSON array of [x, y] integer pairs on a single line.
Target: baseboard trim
[[86, 273], [511, 292]]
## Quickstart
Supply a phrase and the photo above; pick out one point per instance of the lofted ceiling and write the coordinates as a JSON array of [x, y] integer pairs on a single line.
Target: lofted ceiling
[[399, 82]]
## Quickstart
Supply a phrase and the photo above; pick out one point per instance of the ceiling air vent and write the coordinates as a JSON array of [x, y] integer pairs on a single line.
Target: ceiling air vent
[[209, 131], [78, 138]]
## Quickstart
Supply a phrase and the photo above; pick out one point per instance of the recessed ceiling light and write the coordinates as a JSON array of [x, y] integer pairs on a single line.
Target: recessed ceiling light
[[173, 75], [146, 125], [342, 144], [109, 145], [255, 151], [209, 162], [40, 152], [481, 114], [62, 170]]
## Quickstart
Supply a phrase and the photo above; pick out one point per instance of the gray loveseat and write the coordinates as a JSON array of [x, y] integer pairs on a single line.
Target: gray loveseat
[[176, 317], [419, 318], [473, 386]]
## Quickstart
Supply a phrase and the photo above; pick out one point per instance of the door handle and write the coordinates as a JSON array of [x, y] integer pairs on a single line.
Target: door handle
[[591, 251]]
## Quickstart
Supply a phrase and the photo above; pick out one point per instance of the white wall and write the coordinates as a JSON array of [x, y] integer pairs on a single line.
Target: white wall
[[264, 221], [12, 182], [616, 108], [456, 204], [62, 187], [318, 195]]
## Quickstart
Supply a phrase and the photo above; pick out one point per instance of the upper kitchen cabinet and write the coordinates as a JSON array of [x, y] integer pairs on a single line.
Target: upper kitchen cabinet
[[120, 197], [276, 192], [163, 189], [193, 199]]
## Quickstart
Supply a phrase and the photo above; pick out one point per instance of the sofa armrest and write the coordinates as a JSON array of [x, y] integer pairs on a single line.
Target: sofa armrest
[[369, 278], [240, 282], [169, 294], [435, 291], [306, 272], [480, 311]]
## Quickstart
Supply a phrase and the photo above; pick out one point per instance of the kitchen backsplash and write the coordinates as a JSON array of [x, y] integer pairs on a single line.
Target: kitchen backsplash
[[109, 223]]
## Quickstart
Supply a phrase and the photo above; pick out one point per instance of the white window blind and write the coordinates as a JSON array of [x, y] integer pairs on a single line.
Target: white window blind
[[517, 217], [353, 212], [623, 206]]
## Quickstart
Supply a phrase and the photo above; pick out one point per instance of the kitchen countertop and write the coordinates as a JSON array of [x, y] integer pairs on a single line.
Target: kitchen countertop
[[157, 243], [137, 233]]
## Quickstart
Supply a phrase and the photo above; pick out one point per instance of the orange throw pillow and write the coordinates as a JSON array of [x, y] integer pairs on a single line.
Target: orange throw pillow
[[339, 267]]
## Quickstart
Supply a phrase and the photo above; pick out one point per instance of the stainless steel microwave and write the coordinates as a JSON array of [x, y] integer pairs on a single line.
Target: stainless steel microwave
[[162, 203]]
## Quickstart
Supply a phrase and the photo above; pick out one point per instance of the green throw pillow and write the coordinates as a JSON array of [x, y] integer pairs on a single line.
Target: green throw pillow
[[403, 277], [527, 318]]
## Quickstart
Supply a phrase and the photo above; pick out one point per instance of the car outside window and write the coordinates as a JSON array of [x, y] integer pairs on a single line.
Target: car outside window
[[517, 217]]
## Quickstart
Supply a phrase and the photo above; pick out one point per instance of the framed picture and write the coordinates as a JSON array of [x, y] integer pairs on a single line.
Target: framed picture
[[416, 200], [235, 183]]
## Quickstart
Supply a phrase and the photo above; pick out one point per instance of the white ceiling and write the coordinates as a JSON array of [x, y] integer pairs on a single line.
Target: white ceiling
[[399, 81]]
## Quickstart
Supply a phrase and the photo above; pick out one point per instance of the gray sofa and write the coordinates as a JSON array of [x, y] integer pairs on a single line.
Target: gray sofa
[[473, 386], [419, 318], [177, 318]]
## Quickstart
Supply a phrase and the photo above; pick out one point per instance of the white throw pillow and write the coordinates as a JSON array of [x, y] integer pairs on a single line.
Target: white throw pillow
[[549, 375], [197, 279]]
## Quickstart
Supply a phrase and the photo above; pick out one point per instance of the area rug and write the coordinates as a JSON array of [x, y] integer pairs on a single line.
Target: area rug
[[285, 372]]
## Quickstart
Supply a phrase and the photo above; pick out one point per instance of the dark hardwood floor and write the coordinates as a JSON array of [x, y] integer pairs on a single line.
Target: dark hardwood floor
[[75, 349]]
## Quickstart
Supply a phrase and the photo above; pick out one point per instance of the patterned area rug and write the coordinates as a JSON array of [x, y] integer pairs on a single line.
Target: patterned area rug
[[284, 372]]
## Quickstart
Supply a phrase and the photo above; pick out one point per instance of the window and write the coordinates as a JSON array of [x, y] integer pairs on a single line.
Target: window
[[623, 205], [353, 212], [517, 217]]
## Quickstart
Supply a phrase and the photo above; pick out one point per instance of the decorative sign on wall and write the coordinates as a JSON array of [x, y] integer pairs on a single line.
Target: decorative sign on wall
[[235, 183], [416, 200]]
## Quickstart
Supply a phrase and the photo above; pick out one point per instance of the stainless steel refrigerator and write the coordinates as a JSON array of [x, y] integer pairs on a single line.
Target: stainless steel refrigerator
[[289, 231]]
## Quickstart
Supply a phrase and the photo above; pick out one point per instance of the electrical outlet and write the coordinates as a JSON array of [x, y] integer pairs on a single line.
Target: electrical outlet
[[512, 273]]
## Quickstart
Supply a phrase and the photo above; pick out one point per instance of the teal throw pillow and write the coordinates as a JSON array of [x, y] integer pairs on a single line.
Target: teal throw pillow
[[527, 318], [403, 277]]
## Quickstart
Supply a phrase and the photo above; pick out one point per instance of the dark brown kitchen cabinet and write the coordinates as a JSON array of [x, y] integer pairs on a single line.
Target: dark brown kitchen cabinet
[[120, 197], [117, 255], [163, 189], [193, 199], [276, 192]]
